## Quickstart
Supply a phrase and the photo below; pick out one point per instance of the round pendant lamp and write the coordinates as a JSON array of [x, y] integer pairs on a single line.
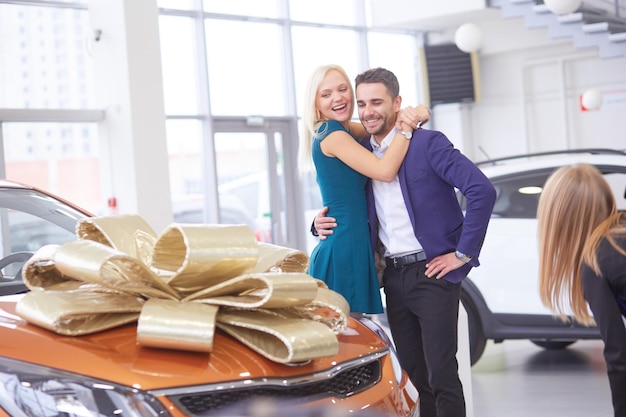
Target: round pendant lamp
[[592, 99], [468, 37], [562, 6]]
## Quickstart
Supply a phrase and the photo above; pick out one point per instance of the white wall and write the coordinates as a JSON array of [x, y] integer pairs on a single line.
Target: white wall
[[530, 102], [530, 87], [404, 13]]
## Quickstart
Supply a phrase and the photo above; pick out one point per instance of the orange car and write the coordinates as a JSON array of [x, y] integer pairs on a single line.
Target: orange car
[[108, 373]]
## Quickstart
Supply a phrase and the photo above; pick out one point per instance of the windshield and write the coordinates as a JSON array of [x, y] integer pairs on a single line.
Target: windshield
[[30, 219]]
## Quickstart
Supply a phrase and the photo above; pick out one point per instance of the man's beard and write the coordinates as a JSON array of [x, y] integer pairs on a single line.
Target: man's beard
[[383, 128]]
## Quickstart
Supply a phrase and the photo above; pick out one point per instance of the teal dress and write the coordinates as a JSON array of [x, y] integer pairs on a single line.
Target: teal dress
[[344, 260]]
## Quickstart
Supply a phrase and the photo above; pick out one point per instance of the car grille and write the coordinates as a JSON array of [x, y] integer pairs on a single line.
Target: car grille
[[346, 382]]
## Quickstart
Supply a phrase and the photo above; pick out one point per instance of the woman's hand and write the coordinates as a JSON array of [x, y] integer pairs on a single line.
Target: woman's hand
[[413, 116]]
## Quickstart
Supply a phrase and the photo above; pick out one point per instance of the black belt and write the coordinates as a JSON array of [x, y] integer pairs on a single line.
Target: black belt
[[401, 261]]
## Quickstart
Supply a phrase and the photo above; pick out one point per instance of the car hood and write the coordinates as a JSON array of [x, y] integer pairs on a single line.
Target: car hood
[[115, 356]]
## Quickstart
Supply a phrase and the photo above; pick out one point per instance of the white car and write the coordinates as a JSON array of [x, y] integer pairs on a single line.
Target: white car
[[501, 296]]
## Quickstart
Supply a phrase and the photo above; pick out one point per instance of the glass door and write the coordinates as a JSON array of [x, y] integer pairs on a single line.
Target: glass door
[[255, 166], [243, 181]]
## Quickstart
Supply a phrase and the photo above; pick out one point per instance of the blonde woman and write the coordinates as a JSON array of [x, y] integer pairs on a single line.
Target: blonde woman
[[345, 261], [582, 260]]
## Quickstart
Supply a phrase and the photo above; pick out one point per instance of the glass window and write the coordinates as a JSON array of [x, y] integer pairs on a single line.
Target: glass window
[[31, 224], [58, 157], [616, 177], [258, 8], [394, 52], [344, 12], [308, 55], [246, 73], [243, 180], [66, 1], [177, 4], [42, 51], [275, 219], [29, 220], [518, 196], [184, 145], [312, 205], [180, 65]]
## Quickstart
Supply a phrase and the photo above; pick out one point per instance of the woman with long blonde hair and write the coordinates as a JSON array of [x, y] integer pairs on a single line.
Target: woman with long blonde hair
[[582, 261]]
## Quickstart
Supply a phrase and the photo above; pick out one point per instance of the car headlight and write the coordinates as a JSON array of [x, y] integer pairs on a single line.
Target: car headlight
[[28, 390], [373, 326]]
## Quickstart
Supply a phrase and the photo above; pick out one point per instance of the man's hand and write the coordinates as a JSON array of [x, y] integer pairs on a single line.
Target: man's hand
[[442, 264], [323, 224]]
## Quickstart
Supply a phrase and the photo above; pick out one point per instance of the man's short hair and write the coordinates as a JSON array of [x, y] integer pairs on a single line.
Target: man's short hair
[[379, 75]]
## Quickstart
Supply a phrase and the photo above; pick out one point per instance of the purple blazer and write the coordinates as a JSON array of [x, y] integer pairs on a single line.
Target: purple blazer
[[431, 171]]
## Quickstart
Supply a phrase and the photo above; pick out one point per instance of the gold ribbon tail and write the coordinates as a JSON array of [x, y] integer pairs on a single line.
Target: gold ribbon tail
[[177, 325], [281, 339], [76, 313]]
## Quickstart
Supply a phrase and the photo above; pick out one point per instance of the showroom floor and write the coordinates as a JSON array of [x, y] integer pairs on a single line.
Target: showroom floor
[[518, 379]]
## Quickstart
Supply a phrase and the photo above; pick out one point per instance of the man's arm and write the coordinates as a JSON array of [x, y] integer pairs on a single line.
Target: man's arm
[[322, 225], [456, 169]]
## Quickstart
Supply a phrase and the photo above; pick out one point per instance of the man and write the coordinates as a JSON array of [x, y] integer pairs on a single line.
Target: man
[[430, 246]]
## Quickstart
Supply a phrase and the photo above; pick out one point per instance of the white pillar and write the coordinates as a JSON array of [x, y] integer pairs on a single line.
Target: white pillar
[[128, 79]]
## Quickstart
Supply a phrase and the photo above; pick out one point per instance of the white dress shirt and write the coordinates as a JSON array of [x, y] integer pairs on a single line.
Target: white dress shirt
[[395, 230]]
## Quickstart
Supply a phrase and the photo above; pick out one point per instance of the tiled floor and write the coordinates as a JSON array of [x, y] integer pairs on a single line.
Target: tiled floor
[[518, 379]]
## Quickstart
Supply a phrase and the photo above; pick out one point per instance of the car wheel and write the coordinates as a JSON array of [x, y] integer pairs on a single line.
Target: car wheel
[[477, 338], [553, 344]]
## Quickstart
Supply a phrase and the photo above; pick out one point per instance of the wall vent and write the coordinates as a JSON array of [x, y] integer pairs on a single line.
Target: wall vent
[[450, 75]]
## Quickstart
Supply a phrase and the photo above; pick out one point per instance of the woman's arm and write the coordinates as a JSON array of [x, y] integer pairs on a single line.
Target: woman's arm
[[358, 131], [343, 146], [412, 116], [610, 322]]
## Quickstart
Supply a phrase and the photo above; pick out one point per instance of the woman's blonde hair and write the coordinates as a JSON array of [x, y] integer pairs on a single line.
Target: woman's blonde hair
[[311, 117], [576, 211]]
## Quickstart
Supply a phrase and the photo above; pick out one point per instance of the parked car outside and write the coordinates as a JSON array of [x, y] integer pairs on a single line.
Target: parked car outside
[[246, 200], [501, 296], [108, 373]]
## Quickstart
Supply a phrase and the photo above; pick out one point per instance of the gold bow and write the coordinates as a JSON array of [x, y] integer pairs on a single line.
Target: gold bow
[[180, 286]]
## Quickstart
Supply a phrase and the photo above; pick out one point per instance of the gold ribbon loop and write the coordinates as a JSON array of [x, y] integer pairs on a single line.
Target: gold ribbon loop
[[177, 284], [127, 233], [273, 258], [328, 307], [39, 272], [99, 264], [269, 290], [281, 339], [192, 257]]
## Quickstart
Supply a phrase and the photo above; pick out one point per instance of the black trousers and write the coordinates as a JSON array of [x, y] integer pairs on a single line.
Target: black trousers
[[423, 318]]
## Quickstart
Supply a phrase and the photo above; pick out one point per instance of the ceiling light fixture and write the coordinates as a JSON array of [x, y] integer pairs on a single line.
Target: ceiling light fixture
[[468, 37], [562, 6], [591, 99]]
